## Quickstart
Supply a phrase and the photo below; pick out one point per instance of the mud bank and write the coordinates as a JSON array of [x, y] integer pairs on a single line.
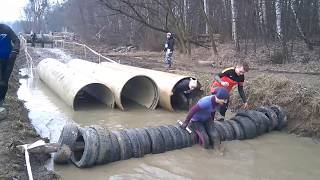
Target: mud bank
[[15, 130]]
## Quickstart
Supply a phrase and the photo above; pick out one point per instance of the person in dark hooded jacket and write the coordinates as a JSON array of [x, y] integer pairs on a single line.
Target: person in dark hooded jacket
[[9, 49], [168, 48]]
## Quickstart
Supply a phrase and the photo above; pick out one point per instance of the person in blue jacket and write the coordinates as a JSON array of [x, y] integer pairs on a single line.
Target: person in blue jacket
[[204, 111], [9, 49]]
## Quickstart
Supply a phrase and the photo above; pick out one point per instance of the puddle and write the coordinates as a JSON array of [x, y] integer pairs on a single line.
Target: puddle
[[272, 156]]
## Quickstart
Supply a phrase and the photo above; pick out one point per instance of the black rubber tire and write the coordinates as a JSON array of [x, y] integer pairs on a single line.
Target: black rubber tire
[[239, 133], [157, 141], [137, 148], [178, 141], [62, 156], [68, 135], [184, 140], [105, 145], [220, 129], [201, 132], [168, 139], [273, 118], [249, 127], [185, 136], [125, 145], [144, 139], [88, 156], [230, 135], [115, 151], [173, 136], [213, 134], [257, 118], [282, 117]]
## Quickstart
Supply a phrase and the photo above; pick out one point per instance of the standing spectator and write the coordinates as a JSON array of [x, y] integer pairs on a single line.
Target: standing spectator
[[9, 49], [33, 39], [168, 48]]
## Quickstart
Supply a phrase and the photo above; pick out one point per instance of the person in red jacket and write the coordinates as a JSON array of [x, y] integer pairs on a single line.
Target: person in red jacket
[[229, 78]]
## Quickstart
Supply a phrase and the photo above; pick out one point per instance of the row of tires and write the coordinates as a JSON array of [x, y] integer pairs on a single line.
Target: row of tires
[[94, 145], [244, 125]]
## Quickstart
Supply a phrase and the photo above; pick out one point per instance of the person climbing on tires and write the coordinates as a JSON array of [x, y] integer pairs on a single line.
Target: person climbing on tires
[[168, 49], [203, 112], [184, 93], [9, 49], [228, 78]]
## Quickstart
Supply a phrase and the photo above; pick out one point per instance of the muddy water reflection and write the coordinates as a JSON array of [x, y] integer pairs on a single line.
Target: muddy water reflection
[[272, 156]]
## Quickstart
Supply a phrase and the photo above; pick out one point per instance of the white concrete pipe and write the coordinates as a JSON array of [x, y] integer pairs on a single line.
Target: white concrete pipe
[[128, 88], [72, 87], [166, 82]]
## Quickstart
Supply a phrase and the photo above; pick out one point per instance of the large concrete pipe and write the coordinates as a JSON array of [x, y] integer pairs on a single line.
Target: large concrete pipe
[[166, 83], [129, 88], [72, 87]]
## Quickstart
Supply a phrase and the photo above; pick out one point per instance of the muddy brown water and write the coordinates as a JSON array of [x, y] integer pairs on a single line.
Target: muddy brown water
[[275, 155]]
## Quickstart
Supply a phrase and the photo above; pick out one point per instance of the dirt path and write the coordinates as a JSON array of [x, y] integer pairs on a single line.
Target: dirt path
[[15, 130]]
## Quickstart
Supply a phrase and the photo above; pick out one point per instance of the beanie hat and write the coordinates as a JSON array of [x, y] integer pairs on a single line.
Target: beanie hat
[[193, 83], [222, 93]]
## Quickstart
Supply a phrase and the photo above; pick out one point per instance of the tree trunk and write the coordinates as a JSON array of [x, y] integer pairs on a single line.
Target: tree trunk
[[205, 7], [234, 25], [319, 13], [210, 29], [279, 29], [264, 12], [260, 15], [185, 13], [306, 40]]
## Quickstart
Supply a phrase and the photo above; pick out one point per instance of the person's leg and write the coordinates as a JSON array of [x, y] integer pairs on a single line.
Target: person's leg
[[6, 69], [199, 129], [224, 108], [183, 101], [170, 60], [2, 82], [166, 60], [213, 134]]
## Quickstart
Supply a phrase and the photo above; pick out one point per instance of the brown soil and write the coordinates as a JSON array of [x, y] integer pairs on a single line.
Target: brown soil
[[15, 130]]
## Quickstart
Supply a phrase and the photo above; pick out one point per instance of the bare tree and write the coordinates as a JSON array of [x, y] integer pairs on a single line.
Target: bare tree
[[280, 35], [38, 8], [306, 40], [318, 3], [235, 37]]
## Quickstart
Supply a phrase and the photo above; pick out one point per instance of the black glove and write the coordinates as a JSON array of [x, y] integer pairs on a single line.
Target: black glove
[[184, 125], [13, 55]]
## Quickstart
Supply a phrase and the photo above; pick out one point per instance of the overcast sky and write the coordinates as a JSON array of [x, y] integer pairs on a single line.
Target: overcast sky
[[11, 10]]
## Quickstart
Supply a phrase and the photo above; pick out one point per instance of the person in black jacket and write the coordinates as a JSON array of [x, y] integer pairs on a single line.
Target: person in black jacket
[[184, 93], [9, 49], [168, 48]]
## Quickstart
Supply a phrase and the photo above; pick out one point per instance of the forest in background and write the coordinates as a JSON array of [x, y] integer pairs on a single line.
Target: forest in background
[[204, 23]]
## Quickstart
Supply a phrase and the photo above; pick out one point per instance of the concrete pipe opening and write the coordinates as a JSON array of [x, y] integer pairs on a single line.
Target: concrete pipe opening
[[180, 101], [139, 91], [94, 96]]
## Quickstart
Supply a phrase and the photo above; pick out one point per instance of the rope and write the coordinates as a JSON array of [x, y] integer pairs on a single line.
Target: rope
[[26, 154], [28, 57], [63, 42]]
